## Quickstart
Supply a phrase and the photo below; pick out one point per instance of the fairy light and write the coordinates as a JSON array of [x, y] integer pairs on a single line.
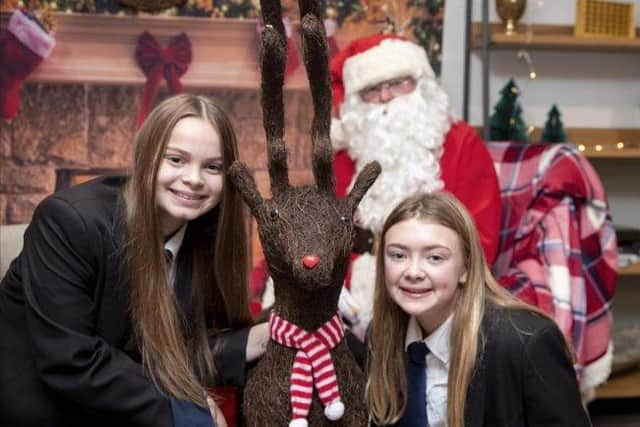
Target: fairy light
[[598, 147], [523, 55], [620, 145], [582, 147]]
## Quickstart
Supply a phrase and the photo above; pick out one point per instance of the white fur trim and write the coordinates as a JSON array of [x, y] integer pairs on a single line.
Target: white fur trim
[[31, 35], [338, 139], [299, 422], [596, 373], [268, 296], [363, 283], [390, 59], [347, 306], [335, 410], [351, 310]]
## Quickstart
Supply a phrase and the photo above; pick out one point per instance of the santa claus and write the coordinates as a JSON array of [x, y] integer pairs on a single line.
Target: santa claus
[[391, 108]]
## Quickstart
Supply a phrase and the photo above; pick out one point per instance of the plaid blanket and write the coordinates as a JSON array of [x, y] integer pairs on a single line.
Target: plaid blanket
[[558, 246]]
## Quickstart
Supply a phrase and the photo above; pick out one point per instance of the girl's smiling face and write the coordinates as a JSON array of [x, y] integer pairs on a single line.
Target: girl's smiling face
[[423, 267], [190, 177]]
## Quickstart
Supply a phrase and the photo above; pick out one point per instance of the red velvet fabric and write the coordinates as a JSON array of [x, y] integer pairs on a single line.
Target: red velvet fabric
[[157, 63], [227, 399]]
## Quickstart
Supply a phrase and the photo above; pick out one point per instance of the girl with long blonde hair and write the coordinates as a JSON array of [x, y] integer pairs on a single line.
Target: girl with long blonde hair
[[129, 299], [448, 345]]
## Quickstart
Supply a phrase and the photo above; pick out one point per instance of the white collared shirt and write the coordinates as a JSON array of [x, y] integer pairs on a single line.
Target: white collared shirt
[[173, 245], [437, 368]]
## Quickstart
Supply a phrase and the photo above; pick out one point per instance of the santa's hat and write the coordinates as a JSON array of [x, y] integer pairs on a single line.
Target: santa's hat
[[373, 59], [370, 60]]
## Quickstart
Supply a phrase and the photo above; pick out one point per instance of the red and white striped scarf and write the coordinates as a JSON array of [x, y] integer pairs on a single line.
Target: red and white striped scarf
[[312, 365]]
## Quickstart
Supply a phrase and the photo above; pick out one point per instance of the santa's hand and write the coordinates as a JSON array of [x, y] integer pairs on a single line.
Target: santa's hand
[[257, 341]]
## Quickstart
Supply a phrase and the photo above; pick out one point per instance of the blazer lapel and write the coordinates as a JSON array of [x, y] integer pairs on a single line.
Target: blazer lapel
[[474, 405], [474, 413]]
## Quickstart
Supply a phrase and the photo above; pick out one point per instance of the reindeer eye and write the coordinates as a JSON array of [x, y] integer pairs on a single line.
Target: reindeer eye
[[273, 213], [344, 219]]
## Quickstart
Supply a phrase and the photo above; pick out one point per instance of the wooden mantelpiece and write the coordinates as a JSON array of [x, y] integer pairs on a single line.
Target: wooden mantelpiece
[[100, 49]]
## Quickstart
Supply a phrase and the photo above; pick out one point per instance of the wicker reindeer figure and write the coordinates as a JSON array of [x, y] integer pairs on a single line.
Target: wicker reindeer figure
[[307, 376]]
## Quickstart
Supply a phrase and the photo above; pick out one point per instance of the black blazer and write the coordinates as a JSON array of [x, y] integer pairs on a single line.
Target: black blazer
[[66, 351], [524, 376]]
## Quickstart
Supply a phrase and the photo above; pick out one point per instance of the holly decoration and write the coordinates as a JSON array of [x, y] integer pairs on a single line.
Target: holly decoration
[[553, 128], [506, 123]]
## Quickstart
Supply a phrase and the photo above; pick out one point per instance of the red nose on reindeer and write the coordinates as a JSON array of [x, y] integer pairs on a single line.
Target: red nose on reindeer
[[310, 261]]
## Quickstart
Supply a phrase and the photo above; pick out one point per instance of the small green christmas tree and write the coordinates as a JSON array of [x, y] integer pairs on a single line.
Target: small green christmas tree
[[553, 129], [506, 123]]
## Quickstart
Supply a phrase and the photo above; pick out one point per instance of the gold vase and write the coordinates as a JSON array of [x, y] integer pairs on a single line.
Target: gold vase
[[510, 11]]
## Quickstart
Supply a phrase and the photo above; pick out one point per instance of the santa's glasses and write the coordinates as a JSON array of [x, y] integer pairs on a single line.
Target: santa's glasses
[[387, 90]]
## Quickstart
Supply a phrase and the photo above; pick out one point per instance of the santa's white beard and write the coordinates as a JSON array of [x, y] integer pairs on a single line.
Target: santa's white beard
[[406, 136]]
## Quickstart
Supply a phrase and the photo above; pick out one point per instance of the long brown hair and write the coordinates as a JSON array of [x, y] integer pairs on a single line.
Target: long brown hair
[[218, 245], [386, 391]]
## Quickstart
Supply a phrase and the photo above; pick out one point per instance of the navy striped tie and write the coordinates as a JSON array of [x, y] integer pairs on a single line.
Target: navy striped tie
[[415, 414]]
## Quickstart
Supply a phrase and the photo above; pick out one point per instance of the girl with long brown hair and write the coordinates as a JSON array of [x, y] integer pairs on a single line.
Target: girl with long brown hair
[[129, 298], [450, 346]]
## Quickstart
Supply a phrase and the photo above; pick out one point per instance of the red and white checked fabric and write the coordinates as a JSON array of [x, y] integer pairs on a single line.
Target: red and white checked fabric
[[312, 366], [558, 246]]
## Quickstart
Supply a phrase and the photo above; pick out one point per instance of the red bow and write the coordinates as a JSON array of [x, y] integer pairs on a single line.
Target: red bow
[[156, 63]]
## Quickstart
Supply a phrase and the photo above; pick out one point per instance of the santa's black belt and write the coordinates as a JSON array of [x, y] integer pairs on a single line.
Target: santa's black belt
[[363, 242]]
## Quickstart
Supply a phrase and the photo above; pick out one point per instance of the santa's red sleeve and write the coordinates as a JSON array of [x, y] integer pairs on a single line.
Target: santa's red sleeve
[[468, 172], [343, 168]]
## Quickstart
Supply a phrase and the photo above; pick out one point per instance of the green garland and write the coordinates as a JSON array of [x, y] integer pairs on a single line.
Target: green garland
[[426, 28]]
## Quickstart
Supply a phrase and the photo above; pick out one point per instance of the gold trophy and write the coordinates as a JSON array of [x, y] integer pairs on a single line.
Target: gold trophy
[[510, 11]]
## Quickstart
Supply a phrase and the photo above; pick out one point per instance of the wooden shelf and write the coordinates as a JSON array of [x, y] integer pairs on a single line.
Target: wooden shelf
[[630, 270], [623, 385], [551, 37], [599, 143]]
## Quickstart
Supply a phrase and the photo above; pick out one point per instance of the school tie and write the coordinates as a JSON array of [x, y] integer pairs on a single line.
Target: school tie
[[415, 415]]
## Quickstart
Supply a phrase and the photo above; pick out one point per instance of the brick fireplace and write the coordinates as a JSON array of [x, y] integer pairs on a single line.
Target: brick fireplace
[[78, 109]]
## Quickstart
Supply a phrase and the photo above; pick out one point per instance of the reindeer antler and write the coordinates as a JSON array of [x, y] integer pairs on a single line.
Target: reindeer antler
[[273, 60], [316, 63], [273, 55]]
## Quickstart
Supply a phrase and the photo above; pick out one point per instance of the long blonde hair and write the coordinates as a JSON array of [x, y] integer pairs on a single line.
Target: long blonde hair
[[386, 391], [217, 242]]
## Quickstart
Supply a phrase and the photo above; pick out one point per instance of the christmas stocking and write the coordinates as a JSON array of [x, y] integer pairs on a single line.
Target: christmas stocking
[[22, 48]]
